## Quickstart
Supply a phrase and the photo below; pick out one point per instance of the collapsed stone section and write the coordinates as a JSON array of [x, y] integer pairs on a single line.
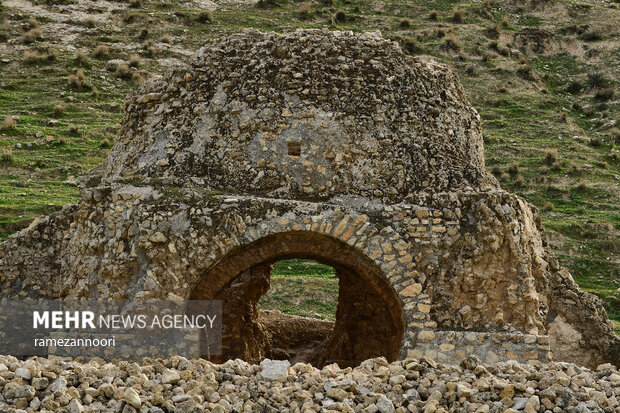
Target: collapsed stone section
[[326, 145]]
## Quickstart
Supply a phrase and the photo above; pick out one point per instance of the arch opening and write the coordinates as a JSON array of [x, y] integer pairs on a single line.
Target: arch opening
[[368, 320]]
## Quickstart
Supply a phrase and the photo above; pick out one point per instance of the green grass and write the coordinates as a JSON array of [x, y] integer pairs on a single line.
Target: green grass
[[304, 288]]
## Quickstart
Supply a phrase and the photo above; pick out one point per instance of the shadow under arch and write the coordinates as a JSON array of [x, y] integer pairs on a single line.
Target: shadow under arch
[[369, 317]]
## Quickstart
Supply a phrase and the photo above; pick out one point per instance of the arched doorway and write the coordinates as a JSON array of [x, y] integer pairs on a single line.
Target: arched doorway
[[369, 318]]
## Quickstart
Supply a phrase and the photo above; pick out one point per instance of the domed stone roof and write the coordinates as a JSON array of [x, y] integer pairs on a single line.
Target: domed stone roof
[[305, 115]]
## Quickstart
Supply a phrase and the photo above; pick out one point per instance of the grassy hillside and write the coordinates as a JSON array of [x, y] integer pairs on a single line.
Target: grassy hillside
[[543, 75]]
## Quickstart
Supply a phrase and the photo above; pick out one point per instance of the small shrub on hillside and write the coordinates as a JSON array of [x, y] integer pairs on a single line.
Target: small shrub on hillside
[[503, 51], [144, 33], [496, 171], [486, 58], [34, 56], [9, 123], [404, 24], [493, 32], [33, 23], [597, 79], [602, 107], [32, 36], [591, 37], [452, 42], [596, 142], [526, 72], [90, 23], [614, 135], [548, 206], [137, 78], [102, 51], [205, 16], [77, 80], [304, 12], [513, 169], [433, 16], [574, 87], [581, 187], [575, 170], [551, 156], [604, 94], [411, 46], [519, 181], [556, 166], [150, 50], [105, 143], [123, 72], [134, 60], [165, 38], [59, 110], [340, 16], [135, 3], [6, 157], [458, 16], [81, 57], [129, 18]]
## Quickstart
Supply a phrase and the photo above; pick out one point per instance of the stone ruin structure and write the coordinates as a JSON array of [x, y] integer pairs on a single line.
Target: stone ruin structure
[[324, 145]]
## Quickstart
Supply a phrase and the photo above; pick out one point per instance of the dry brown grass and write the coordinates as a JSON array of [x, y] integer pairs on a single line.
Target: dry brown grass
[[205, 16], [32, 36], [458, 16], [134, 60], [123, 72], [452, 42], [551, 156], [90, 23], [81, 56], [9, 123], [101, 51], [33, 23], [77, 80], [59, 110]]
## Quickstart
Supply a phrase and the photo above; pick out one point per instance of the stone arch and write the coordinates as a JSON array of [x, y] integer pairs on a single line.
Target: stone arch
[[241, 276]]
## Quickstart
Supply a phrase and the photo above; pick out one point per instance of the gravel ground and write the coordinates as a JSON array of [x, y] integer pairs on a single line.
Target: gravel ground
[[181, 385]]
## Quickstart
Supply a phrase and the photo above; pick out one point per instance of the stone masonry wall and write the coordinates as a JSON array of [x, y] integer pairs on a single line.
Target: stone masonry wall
[[145, 242]]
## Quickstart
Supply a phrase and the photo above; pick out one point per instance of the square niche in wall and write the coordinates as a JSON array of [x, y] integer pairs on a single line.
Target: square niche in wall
[[294, 148]]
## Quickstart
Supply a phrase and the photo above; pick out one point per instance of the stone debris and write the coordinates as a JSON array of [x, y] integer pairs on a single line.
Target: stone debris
[[410, 385]]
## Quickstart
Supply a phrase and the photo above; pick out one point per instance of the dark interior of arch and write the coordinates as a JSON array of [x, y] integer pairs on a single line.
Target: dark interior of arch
[[369, 320]]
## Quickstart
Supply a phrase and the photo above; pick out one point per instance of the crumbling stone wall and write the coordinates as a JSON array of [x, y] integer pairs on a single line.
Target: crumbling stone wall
[[328, 145]]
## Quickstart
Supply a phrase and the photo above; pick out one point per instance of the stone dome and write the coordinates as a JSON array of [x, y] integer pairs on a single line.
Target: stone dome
[[312, 114]]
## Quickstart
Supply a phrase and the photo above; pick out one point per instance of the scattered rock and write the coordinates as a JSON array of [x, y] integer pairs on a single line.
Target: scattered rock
[[275, 370]]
